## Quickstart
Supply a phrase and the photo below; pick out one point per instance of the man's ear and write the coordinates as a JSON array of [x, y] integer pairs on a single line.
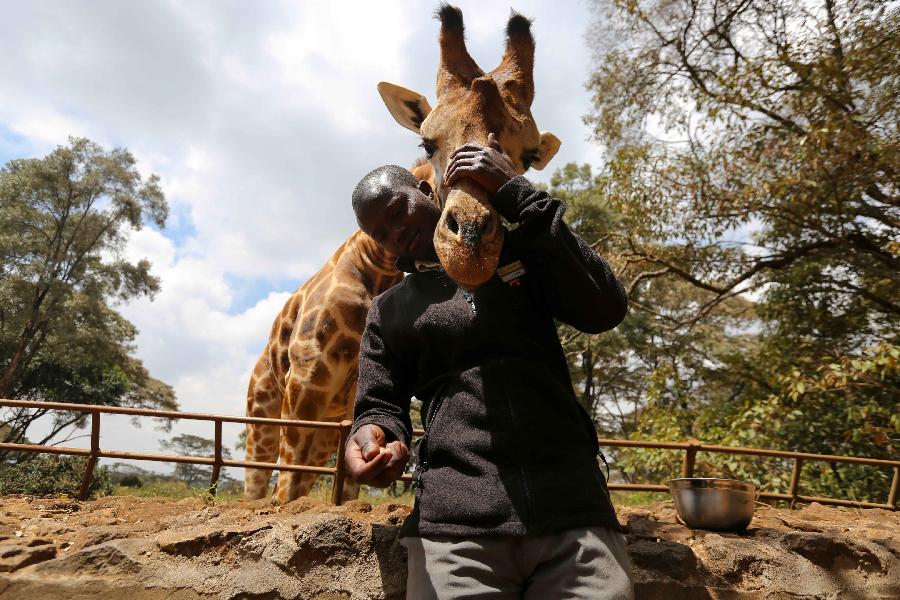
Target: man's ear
[[409, 108], [546, 150], [424, 172], [425, 187]]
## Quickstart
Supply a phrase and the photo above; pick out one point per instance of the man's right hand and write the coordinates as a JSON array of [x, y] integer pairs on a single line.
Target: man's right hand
[[373, 462]]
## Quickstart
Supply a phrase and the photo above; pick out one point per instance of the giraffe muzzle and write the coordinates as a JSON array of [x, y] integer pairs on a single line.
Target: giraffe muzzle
[[469, 237]]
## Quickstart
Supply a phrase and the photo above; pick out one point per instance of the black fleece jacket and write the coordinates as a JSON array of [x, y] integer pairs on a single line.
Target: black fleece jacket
[[508, 449]]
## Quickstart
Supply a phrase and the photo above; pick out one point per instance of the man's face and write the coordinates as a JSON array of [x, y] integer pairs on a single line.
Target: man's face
[[401, 218]]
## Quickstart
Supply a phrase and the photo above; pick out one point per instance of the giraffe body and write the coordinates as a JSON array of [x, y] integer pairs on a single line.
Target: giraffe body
[[307, 371]]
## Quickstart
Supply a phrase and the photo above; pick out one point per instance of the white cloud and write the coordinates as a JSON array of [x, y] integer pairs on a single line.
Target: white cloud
[[259, 118]]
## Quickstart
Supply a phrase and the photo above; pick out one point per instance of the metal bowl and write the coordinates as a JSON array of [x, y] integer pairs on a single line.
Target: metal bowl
[[710, 503]]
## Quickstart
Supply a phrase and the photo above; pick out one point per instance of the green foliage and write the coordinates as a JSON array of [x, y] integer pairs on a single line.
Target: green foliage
[[50, 475], [193, 445], [163, 487], [648, 370], [64, 220], [749, 201]]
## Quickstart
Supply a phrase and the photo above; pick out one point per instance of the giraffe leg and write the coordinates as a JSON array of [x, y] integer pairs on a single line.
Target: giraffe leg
[[348, 398], [304, 402], [310, 451], [319, 454], [324, 443], [315, 447], [263, 400]]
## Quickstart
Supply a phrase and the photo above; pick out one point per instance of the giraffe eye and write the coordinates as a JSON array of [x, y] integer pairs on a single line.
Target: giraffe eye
[[429, 147]]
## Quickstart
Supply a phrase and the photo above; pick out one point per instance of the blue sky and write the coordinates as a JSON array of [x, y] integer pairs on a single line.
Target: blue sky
[[259, 118]]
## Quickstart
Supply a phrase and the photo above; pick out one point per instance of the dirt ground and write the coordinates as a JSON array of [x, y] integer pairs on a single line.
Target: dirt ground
[[190, 548]]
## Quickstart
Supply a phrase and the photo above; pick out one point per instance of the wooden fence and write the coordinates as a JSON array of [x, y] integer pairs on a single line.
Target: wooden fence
[[690, 449]]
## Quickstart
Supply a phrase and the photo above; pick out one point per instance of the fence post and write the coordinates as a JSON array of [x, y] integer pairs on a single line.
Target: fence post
[[795, 480], [337, 489], [895, 488], [92, 459], [217, 464], [690, 457]]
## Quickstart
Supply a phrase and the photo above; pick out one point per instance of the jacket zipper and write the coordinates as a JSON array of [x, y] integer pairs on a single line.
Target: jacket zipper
[[422, 466], [528, 502]]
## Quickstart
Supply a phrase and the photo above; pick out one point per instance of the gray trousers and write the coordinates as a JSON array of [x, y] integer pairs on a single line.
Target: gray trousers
[[582, 563]]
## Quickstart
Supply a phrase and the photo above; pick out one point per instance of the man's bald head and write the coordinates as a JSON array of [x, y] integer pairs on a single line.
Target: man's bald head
[[398, 211], [377, 181]]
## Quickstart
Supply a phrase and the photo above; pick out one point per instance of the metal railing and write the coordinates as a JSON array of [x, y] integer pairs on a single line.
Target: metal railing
[[217, 461], [690, 448]]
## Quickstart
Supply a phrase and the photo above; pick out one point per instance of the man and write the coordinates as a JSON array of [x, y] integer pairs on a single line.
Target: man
[[510, 500]]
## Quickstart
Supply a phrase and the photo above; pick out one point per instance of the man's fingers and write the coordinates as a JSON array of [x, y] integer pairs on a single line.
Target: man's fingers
[[462, 162], [386, 468], [456, 171], [369, 450], [354, 455], [467, 149], [464, 156], [388, 476], [493, 143], [367, 471], [463, 171], [370, 439], [355, 462], [400, 454]]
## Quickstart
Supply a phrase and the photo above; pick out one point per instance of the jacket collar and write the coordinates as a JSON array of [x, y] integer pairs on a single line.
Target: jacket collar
[[412, 265]]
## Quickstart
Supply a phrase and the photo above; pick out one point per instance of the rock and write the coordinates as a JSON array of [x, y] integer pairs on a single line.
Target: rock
[[196, 541], [115, 558], [813, 553], [139, 548], [665, 558], [832, 552], [15, 557]]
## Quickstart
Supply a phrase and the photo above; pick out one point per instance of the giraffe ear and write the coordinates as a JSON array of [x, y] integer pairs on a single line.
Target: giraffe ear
[[547, 149], [409, 108]]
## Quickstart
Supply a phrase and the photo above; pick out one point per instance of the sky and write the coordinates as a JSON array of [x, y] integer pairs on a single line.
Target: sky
[[259, 118]]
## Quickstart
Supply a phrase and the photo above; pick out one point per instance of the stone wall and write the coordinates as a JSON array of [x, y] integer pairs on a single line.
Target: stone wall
[[137, 548]]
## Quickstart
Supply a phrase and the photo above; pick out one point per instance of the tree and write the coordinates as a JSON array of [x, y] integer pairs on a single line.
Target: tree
[[64, 220], [193, 445], [647, 379], [753, 149], [779, 117], [49, 474]]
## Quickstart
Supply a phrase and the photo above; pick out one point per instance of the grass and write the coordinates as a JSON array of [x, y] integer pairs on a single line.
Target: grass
[[177, 490], [321, 491], [620, 498], [374, 496]]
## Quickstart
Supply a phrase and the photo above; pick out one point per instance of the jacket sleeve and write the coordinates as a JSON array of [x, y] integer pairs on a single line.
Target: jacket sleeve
[[383, 389], [577, 284]]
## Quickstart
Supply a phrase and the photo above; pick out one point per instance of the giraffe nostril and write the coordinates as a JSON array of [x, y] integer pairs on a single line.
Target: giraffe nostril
[[452, 225], [471, 234]]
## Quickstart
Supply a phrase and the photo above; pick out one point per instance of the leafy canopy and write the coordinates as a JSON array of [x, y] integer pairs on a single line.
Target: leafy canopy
[[749, 200], [64, 220]]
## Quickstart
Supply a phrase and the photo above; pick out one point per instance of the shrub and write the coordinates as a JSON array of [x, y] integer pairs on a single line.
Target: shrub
[[47, 475]]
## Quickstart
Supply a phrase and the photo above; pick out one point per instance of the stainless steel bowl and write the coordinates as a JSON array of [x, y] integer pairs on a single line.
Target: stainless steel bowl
[[710, 503]]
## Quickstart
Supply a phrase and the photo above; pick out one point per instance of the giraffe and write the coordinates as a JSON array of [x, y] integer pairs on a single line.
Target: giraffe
[[308, 369], [470, 105]]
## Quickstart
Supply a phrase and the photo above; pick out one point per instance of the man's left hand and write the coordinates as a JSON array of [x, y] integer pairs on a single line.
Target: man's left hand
[[487, 165]]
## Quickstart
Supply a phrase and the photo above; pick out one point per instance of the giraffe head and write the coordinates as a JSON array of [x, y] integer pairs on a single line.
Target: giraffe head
[[470, 105]]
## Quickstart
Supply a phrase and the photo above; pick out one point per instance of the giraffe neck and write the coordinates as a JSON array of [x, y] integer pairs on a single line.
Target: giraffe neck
[[378, 263]]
